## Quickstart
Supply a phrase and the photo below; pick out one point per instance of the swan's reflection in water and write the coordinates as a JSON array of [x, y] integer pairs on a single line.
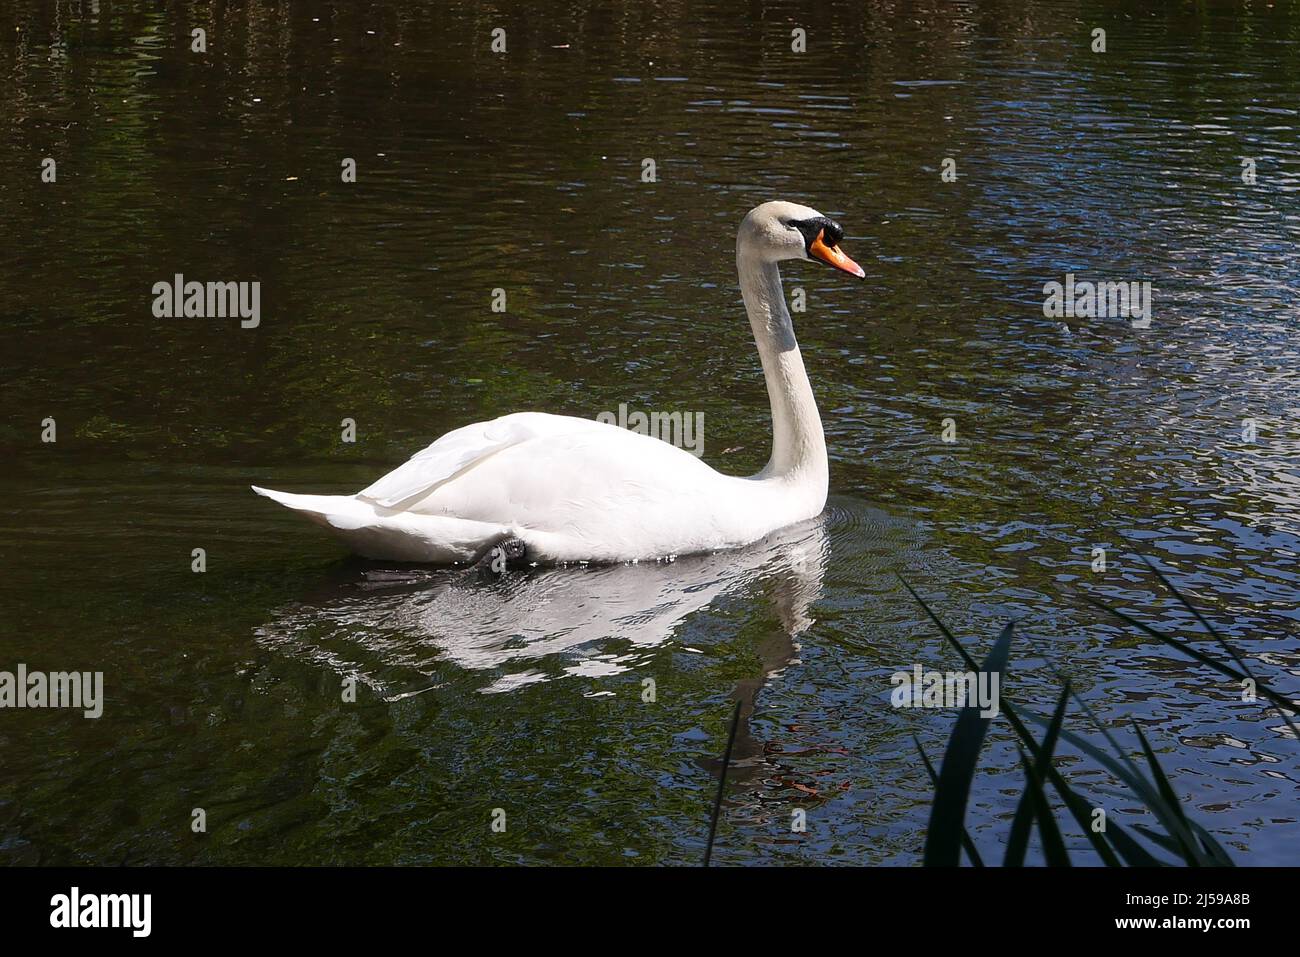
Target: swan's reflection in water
[[404, 631], [397, 628]]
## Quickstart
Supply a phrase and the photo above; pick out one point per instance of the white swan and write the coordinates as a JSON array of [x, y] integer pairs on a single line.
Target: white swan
[[573, 489]]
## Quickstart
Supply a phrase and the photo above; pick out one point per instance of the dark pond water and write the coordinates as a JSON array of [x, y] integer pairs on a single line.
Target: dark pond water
[[522, 171]]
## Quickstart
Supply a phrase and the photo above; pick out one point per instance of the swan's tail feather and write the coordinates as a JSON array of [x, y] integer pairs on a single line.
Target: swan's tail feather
[[396, 536], [332, 511]]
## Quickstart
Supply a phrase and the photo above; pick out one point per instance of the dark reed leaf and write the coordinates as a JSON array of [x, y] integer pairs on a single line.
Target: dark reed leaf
[[948, 812], [1053, 847], [966, 841], [1018, 841], [722, 784]]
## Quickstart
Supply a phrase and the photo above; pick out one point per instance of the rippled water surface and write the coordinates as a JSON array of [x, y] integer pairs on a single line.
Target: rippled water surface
[[522, 171]]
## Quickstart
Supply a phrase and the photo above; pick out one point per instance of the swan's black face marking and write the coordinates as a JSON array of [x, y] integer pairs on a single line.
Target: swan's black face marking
[[813, 227], [821, 242]]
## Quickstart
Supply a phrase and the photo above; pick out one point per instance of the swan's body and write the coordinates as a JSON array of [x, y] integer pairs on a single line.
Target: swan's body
[[575, 489]]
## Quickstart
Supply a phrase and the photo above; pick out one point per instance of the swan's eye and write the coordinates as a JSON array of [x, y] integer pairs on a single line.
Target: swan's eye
[[812, 228]]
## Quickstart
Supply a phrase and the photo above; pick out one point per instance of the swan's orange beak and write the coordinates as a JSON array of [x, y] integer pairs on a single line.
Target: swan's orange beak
[[834, 256]]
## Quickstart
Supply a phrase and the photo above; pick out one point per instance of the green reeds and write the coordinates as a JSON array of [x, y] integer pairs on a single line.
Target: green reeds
[[1186, 841]]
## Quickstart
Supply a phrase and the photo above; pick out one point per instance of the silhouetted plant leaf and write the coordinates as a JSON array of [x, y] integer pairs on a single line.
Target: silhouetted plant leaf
[[1159, 796], [722, 783], [1208, 844], [966, 841], [948, 812], [1018, 840], [1283, 703], [1053, 847], [1125, 770]]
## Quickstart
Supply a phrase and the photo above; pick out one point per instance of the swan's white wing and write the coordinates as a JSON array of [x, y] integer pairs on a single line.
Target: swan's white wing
[[462, 449]]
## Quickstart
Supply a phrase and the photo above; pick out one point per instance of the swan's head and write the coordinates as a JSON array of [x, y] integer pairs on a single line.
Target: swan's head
[[779, 230]]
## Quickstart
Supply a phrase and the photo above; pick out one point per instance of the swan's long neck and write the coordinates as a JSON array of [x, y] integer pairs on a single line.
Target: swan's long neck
[[798, 446]]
